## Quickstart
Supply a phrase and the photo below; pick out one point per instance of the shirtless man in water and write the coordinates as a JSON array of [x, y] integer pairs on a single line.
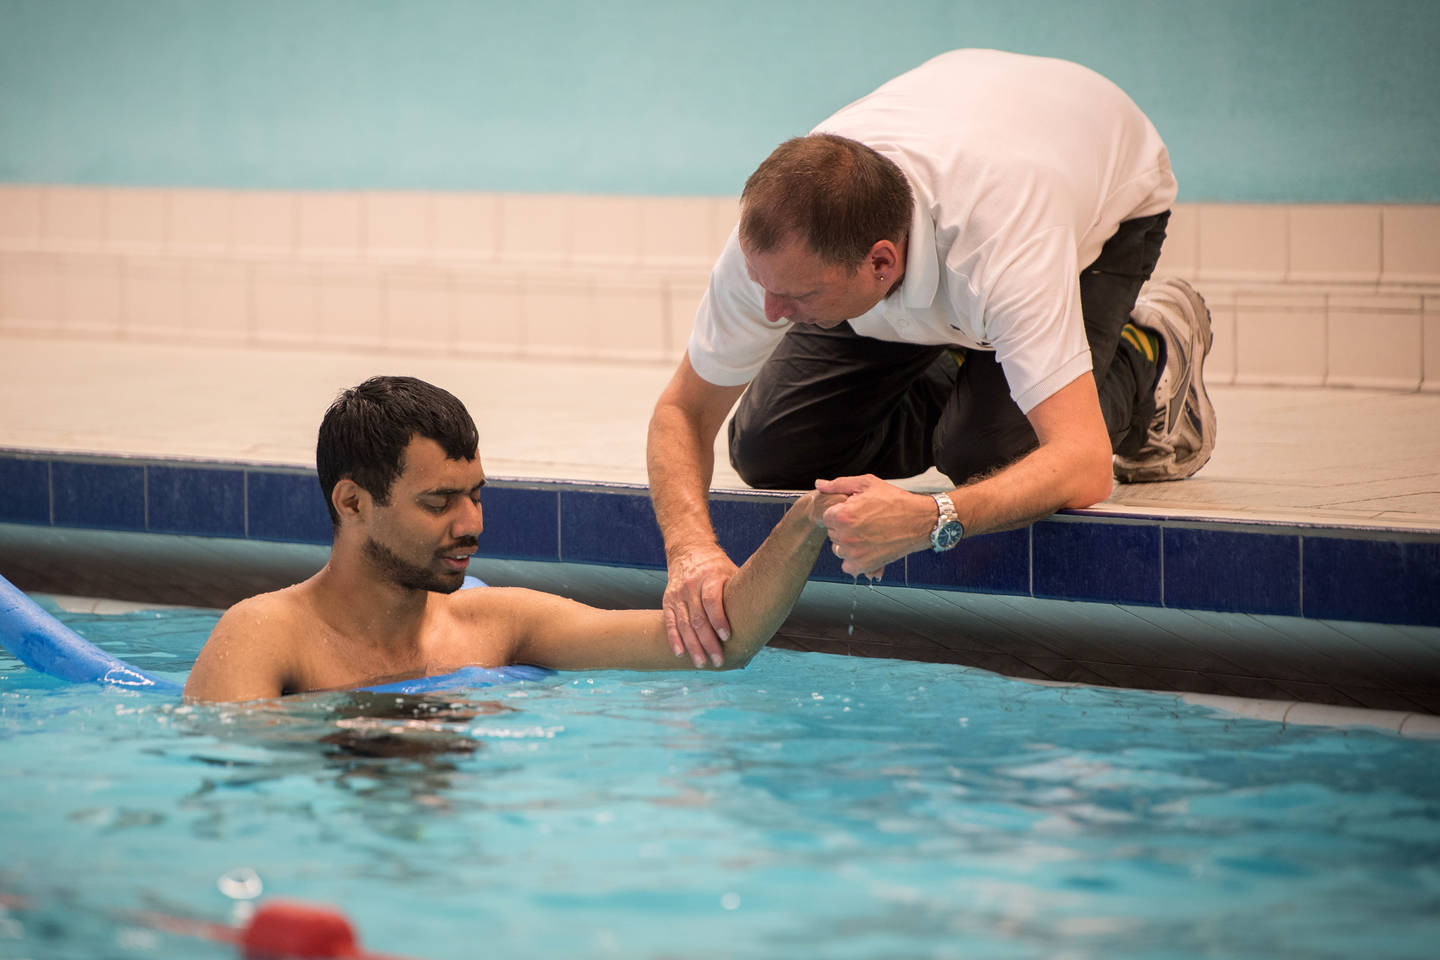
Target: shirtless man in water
[[398, 459]]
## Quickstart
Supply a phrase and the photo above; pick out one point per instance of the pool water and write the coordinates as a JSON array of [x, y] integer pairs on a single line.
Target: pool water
[[808, 806]]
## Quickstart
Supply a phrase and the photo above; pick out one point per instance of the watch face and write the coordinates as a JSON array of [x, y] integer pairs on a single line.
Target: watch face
[[949, 534]]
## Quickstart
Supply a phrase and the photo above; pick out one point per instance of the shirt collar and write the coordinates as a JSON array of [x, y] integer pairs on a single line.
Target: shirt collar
[[922, 264]]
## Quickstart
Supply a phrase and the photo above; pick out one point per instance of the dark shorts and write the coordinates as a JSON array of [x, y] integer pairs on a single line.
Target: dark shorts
[[831, 403]]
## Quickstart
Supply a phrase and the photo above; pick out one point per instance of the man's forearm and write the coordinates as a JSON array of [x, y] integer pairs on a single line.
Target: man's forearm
[[1030, 489], [760, 596], [680, 464]]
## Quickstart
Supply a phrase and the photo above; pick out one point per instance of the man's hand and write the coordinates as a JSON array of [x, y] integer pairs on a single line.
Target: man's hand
[[694, 603], [876, 523]]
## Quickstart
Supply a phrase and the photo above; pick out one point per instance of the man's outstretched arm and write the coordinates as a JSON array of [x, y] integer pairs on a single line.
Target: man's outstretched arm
[[554, 632]]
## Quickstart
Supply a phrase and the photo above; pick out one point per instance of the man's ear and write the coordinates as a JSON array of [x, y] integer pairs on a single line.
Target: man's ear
[[349, 499]]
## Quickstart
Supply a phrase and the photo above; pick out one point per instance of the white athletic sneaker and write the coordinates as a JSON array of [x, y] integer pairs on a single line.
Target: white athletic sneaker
[[1182, 434]]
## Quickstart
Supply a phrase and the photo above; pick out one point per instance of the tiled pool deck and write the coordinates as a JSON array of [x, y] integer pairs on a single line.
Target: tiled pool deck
[[1319, 506]]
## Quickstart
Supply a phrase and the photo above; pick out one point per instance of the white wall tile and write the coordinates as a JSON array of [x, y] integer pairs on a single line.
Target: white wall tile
[[1431, 333], [217, 301], [263, 223], [684, 293], [1411, 244], [465, 225], [1220, 364], [1375, 342], [21, 215], [349, 305], [30, 297], [419, 312], [605, 230], [397, 225], [1280, 340], [282, 304], [1243, 242], [724, 217], [201, 221], [92, 295], [557, 312], [330, 224], [627, 321], [154, 297], [137, 220], [489, 317], [1180, 255], [1334, 244], [535, 228], [73, 218], [677, 231]]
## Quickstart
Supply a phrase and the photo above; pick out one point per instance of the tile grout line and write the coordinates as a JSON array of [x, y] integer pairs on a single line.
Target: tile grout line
[[1300, 578]]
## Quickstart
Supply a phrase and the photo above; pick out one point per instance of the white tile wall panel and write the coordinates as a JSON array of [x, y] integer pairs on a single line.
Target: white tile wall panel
[[677, 231], [330, 225], [1280, 339], [1180, 254], [464, 226], [1243, 242], [489, 316], [1430, 331], [1410, 250], [92, 295], [137, 220], [1375, 342], [535, 228], [201, 222], [1220, 364], [283, 304], [419, 313], [398, 225], [558, 315], [30, 297], [216, 301], [605, 231], [724, 217], [1334, 244], [627, 321], [21, 212], [73, 218], [154, 298], [263, 223], [684, 293], [349, 305]]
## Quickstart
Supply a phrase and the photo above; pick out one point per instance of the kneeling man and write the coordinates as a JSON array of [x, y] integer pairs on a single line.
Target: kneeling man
[[398, 459]]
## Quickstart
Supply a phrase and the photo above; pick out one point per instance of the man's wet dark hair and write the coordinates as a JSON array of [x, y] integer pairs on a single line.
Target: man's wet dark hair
[[366, 430], [834, 193]]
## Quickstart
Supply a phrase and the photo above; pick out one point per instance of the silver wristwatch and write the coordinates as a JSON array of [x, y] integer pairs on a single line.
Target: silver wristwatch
[[948, 528]]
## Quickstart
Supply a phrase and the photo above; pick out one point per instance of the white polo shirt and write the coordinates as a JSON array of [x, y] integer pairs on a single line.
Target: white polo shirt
[[1022, 167]]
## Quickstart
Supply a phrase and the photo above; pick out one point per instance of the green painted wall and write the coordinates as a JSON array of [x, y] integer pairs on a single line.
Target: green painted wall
[[1259, 100]]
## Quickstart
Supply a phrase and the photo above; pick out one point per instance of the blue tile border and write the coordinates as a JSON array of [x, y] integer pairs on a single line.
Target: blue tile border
[[1233, 571], [1258, 568], [1096, 561]]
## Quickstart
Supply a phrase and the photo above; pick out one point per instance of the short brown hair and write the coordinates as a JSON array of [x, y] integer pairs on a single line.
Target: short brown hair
[[838, 195]]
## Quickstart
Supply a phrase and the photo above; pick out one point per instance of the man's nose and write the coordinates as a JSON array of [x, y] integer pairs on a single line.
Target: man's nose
[[778, 308], [470, 523]]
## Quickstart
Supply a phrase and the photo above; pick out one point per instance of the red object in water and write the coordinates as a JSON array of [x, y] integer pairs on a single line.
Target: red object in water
[[284, 928], [279, 930]]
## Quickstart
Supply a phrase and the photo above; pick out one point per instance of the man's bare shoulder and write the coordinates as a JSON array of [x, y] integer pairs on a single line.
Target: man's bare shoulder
[[250, 652]]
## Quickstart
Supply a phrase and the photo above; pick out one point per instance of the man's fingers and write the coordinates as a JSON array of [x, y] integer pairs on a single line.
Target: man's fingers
[[843, 485], [713, 598]]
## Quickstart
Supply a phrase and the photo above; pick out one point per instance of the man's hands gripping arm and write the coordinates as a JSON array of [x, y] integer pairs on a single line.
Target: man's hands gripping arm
[[554, 632], [680, 454], [878, 522]]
